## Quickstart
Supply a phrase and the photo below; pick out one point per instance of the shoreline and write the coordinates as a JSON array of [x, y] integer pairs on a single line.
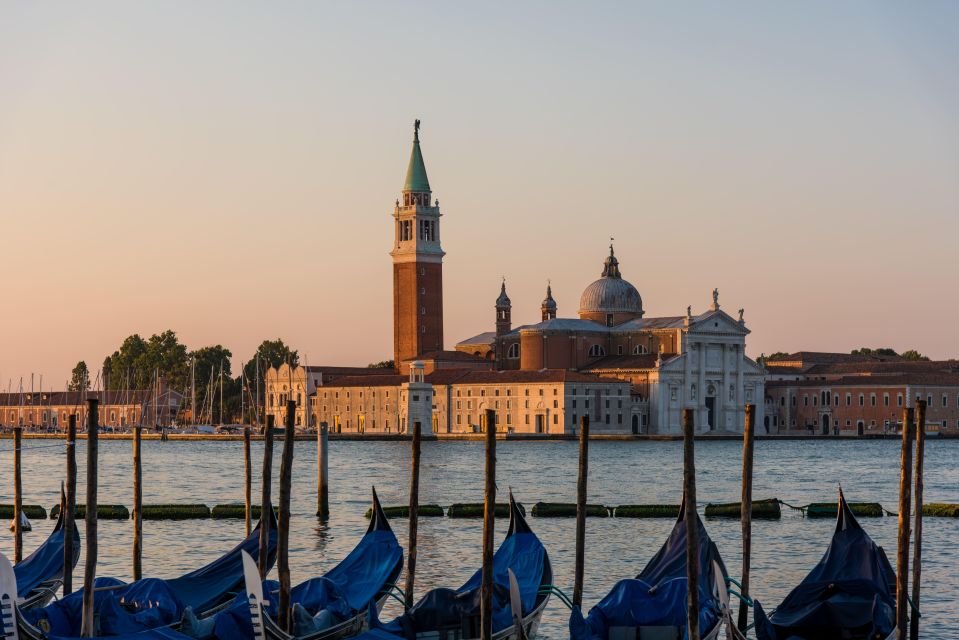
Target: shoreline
[[457, 437]]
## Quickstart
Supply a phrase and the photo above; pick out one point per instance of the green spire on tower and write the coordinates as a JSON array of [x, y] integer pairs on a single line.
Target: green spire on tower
[[416, 179]]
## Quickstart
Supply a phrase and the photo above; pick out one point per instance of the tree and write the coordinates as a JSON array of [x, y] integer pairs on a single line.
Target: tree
[[272, 353], [912, 354], [866, 351], [382, 364], [134, 364], [80, 378]]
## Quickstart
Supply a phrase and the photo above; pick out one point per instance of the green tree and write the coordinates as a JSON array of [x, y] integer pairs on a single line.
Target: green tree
[[866, 351], [80, 377], [207, 363], [383, 364], [134, 364], [912, 354], [272, 353]]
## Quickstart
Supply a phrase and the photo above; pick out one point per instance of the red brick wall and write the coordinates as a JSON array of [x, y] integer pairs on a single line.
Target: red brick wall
[[409, 337]]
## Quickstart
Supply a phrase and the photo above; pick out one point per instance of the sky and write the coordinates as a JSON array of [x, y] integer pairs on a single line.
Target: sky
[[228, 169]]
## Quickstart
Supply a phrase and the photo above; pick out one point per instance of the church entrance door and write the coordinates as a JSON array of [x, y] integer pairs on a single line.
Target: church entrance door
[[711, 416], [825, 424], [635, 423]]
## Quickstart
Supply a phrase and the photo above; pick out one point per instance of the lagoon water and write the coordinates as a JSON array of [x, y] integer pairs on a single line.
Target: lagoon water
[[798, 472]]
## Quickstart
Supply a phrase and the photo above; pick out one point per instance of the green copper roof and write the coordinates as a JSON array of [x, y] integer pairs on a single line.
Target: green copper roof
[[416, 179]]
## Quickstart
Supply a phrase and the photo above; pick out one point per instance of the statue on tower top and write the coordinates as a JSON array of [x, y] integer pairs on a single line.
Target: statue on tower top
[[416, 129]]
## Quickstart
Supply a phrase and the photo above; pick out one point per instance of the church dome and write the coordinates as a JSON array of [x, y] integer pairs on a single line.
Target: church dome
[[611, 294]]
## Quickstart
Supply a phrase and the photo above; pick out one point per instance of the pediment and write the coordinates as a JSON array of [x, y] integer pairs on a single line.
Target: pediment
[[717, 322]]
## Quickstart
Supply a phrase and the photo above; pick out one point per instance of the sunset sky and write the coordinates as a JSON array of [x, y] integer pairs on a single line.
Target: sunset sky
[[228, 169]]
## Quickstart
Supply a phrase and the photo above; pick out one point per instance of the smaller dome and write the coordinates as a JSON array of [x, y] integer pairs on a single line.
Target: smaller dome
[[549, 303]]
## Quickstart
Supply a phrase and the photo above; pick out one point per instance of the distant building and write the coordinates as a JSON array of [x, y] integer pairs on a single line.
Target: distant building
[[629, 373], [50, 410], [834, 393]]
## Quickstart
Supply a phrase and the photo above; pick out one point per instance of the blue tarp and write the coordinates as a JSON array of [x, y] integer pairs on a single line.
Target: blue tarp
[[346, 590], [658, 595], [851, 593], [152, 602], [521, 551], [46, 562]]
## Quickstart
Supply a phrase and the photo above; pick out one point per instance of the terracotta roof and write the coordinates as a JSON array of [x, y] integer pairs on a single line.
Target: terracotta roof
[[345, 371], [78, 398], [895, 380], [451, 356], [643, 361], [466, 376]]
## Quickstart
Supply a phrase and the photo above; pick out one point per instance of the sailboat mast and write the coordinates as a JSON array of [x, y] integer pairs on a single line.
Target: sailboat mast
[[193, 391]]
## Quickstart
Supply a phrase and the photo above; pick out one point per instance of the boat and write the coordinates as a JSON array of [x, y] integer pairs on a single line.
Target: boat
[[849, 595], [25, 525], [522, 583], [653, 604], [40, 574], [149, 604], [328, 607]]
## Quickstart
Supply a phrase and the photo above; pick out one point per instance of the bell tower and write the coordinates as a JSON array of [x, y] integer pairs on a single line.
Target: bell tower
[[417, 265]]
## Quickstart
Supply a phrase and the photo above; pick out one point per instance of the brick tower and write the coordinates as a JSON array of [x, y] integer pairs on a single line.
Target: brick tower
[[417, 265]]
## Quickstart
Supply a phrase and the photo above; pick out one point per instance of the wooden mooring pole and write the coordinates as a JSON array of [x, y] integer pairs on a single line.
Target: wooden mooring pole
[[247, 480], [489, 515], [917, 528], [137, 506], [17, 497], [414, 513], [905, 506], [283, 540], [266, 486], [87, 626], [70, 505], [323, 471], [581, 511], [746, 509], [692, 531]]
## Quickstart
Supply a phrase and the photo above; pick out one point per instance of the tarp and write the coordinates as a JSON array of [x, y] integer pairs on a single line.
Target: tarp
[[658, 595], [46, 562], [346, 590], [521, 551], [850, 593], [152, 602]]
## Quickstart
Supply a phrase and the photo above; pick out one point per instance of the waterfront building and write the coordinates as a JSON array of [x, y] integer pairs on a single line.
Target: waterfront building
[[50, 410], [846, 394], [299, 383]]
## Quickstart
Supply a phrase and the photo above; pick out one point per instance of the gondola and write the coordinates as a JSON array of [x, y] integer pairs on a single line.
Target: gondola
[[653, 604], [522, 579], [40, 574], [849, 595], [149, 604], [339, 599]]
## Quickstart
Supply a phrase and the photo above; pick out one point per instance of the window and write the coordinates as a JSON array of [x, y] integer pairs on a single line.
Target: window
[[619, 350], [862, 400], [555, 418], [805, 401], [556, 404], [513, 352], [899, 400], [607, 418], [609, 319], [885, 399], [848, 399], [929, 400], [872, 399], [574, 420], [597, 351], [945, 400], [639, 350]]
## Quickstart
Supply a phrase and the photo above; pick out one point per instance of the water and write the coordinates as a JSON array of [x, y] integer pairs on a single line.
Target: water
[[798, 472]]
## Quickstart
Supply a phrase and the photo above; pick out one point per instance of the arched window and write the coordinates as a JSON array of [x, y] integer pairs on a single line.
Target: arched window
[[513, 352], [596, 351], [639, 350]]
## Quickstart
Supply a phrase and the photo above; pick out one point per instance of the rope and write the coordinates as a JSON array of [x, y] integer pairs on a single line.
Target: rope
[[803, 509]]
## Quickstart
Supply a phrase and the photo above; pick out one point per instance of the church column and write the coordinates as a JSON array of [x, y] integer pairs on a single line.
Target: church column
[[701, 395], [727, 403], [740, 392]]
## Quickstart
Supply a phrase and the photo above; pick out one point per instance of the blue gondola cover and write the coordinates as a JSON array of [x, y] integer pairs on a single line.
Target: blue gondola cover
[[851, 593], [46, 562]]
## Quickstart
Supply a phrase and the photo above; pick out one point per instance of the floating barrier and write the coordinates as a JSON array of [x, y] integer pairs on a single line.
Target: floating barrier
[[941, 510], [567, 510], [237, 510], [104, 512], [764, 509], [831, 509], [646, 511], [175, 511], [32, 511], [475, 510], [426, 511]]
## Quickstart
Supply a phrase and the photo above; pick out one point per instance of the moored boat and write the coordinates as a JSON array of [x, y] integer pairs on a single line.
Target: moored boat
[[40, 574], [653, 604], [849, 595]]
